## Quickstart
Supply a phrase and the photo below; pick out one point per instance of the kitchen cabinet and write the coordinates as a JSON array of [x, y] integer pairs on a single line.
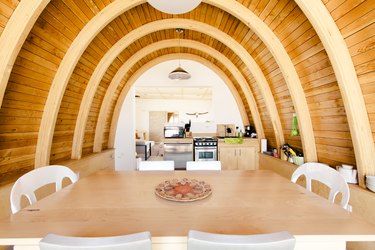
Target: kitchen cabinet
[[239, 156]]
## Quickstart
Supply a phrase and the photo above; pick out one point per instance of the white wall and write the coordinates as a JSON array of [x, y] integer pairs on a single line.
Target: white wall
[[125, 139], [144, 106], [222, 108]]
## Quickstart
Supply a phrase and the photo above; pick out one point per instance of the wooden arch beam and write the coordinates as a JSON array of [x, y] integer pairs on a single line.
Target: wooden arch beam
[[168, 24], [286, 66], [189, 44], [113, 10], [65, 70], [23, 19], [14, 35], [144, 68], [347, 79]]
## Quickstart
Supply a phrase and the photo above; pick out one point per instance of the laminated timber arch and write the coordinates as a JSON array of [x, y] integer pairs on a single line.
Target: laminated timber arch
[[14, 35], [347, 79], [354, 127], [110, 12], [144, 68], [168, 24], [118, 7], [286, 66], [65, 70], [189, 44]]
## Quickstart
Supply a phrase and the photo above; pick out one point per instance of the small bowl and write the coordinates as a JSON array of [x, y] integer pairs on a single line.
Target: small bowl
[[347, 166], [371, 187], [298, 160], [370, 179]]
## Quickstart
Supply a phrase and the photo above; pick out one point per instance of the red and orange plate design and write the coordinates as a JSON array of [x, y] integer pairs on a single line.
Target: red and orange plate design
[[183, 190]]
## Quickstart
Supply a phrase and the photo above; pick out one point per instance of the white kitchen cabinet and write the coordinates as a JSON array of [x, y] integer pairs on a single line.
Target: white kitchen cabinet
[[239, 156]]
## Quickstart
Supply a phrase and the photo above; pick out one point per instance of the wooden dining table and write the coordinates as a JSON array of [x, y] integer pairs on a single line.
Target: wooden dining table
[[111, 203]]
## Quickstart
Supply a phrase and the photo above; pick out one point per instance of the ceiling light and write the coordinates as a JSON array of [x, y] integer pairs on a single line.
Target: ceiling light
[[174, 6], [179, 74]]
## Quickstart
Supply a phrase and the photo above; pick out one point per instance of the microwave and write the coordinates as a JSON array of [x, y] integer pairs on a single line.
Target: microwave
[[174, 132]]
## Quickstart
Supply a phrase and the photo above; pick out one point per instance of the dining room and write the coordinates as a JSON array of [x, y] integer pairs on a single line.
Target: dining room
[[300, 72]]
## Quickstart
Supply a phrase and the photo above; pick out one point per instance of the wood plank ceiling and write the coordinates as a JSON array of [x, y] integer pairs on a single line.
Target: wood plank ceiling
[[61, 22]]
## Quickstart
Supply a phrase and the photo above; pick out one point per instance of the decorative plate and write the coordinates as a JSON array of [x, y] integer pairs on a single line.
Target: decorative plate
[[183, 190]]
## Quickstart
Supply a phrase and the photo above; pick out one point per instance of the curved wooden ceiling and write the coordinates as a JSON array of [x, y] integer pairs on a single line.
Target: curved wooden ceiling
[[63, 75]]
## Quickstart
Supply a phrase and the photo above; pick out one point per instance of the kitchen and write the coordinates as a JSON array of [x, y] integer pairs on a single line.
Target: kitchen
[[236, 150], [164, 102]]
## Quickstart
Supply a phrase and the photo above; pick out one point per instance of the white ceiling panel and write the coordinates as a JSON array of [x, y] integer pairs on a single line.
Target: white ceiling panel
[[186, 93]]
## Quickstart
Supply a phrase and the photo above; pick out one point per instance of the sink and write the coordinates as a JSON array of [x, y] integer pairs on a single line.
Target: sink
[[233, 140]]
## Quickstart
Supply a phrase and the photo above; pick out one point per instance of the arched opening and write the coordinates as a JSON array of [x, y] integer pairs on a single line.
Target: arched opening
[[204, 92]]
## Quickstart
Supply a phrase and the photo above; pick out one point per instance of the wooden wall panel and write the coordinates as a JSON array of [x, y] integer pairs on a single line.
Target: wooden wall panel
[[111, 110], [273, 12], [79, 79], [355, 19], [29, 84], [62, 20], [312, 64], [6, 11]]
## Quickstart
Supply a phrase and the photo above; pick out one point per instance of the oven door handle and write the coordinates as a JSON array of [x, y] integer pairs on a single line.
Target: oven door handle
[[205, 148]]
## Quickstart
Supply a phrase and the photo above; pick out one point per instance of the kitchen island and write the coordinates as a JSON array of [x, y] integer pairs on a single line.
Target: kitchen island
[[179, 150]]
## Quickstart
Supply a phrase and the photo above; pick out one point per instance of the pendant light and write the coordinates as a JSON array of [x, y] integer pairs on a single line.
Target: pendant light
[[174, 6], [179, 73]]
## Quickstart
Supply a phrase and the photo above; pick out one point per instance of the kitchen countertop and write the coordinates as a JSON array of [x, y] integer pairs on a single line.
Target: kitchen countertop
[[178, 140], [220, 140], [245, 140]]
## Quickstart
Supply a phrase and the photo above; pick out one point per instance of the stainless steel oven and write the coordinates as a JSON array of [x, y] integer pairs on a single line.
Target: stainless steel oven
[[205, 149]]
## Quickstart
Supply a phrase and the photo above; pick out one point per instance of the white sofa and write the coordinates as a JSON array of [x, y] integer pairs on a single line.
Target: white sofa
[[143, 148]]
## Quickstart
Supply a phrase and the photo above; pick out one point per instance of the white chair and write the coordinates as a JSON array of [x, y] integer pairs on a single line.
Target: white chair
[[326, 175], [137, 241], [156, 166], [207, 241], [203, 165], [28, 183]]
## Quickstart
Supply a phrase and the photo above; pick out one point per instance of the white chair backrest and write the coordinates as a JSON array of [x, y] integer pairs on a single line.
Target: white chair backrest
[[203, 165], [207, 241], [138, 241], [28, 183], [326, 175], [156, 166]]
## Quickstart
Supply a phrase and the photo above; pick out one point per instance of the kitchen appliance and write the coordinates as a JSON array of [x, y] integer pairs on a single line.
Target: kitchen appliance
[[174, 131], [180, 153], [205, 148], [249, 130]]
